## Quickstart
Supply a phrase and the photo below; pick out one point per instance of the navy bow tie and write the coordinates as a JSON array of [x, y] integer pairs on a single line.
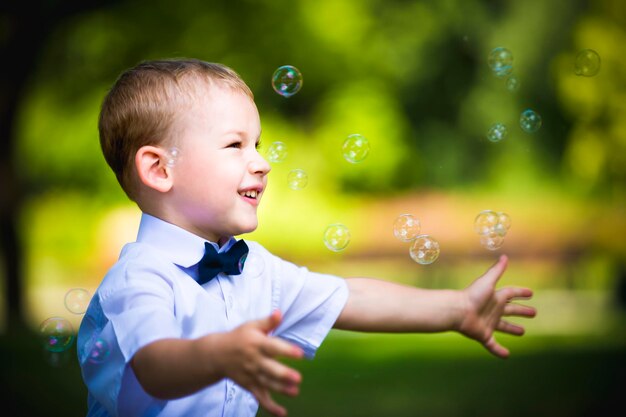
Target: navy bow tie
[[230, 262]]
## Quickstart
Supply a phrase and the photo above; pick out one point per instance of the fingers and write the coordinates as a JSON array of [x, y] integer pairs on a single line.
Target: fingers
[[279, 347], [512, 309], [266, 401], [271, 322], [496, 348], [495, 272], [510, 328]]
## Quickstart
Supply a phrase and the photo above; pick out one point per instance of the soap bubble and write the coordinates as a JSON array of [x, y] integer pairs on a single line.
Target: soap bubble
[[504, 219], [485, 222], [500, 61], [99, 351], [512, 83], [497, 132], [297, 179], [355, 148], [57, 334], [77, 300], [336, 237], [491, 241], [424, 250], [406, 227], [587, 63], [173, 157], [277, 152], [530, 121], [287, 80]]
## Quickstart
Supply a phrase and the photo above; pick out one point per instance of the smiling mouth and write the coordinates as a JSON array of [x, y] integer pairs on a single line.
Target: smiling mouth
[[250, 194]]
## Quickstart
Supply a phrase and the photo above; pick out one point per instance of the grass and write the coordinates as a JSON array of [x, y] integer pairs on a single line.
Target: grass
[[381, 375]]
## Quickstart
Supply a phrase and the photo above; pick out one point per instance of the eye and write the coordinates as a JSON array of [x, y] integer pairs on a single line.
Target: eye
[[257, 145], [236, 145]]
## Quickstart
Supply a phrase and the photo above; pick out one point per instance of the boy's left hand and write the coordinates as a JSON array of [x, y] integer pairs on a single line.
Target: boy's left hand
[[485, 308]]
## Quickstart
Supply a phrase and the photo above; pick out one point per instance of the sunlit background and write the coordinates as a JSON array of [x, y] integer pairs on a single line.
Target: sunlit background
[[413, 78]]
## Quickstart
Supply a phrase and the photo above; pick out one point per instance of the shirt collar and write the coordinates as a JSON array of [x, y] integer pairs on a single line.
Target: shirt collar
[[182, 247]]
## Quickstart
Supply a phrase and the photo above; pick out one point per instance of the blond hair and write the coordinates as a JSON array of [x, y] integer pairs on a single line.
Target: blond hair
[[142, 106]]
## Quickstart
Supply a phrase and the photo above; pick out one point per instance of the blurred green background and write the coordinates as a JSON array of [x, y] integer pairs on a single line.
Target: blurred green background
[[412, 77]]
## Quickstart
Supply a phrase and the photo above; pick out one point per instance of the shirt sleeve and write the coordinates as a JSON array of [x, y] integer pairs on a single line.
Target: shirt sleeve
[[310, 303]]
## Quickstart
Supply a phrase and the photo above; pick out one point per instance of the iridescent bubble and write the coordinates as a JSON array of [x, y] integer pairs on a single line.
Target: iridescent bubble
[[587, 63], [287, 80], [173, 157], [355, 148], [512, 83], [485, 222], [424, 250], [497, 132], [277, 152], [500, 61], [491, 241], [77, 300], [99, 351], [336, 237], [406, 227], [530, 121], [504, 219], [297, 179], [57, 334]]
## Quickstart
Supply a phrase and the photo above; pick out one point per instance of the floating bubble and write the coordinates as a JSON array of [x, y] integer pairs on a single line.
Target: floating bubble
[[173, 156], [336, 237], [424, 250], [355, 148], [406, 227], [57, 334], [500, 61], [587, 63], [485, 222], [297, 179], [77, 300], [99, 351], [277, 152], [497, 132], [287, 80], [491, 241], [512, 83], [530, 121], [504, 220]]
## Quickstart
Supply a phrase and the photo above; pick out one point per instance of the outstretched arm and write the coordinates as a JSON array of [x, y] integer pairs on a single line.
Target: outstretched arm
[[173, 368], [476, 311]]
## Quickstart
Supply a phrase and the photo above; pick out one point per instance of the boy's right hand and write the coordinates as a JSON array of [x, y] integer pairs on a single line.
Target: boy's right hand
[[249, 360]]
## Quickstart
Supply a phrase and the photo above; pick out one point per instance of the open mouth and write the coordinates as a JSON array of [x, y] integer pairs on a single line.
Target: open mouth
[[253, 194]]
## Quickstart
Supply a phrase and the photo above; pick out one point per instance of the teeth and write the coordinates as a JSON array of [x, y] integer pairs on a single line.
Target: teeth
[[250, 193]]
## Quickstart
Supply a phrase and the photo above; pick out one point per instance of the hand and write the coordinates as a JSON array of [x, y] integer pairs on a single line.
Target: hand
[[485, 306], [250, 362]]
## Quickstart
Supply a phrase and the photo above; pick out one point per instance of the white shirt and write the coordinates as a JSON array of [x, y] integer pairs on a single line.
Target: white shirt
[[151, 294]]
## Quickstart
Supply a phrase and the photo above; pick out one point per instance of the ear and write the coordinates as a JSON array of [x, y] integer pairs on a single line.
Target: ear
[[152, 169]]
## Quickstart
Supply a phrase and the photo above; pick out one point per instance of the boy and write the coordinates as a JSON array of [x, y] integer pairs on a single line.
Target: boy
[[187, 328]]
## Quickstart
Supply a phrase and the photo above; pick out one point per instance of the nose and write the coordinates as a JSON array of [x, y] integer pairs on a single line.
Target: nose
[[258, 165]]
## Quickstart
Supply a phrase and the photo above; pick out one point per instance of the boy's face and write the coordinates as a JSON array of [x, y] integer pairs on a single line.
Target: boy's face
[[220, 177]]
